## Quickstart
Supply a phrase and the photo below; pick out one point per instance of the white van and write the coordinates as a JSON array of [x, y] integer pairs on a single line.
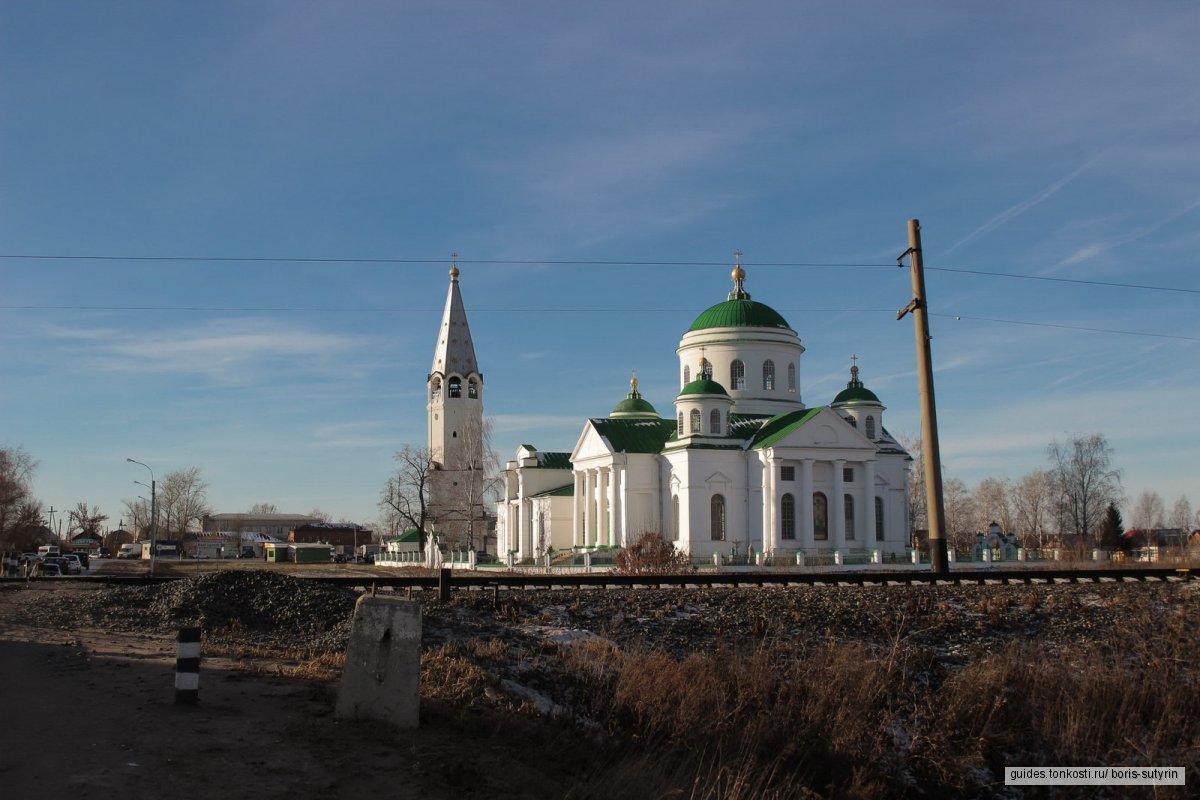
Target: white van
[[47, 550], [130, 550]]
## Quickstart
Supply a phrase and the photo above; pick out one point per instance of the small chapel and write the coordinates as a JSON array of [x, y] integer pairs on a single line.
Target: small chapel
[[740, 466]]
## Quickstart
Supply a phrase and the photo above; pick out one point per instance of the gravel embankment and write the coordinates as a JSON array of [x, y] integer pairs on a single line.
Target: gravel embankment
[[276, 610]]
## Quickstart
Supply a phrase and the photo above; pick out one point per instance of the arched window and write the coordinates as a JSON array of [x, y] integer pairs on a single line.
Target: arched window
[[472, 389], [679, 425], [787, 517], [455, 386], [435, 389], [792, 378], [848, 502], [695, 416], [769, 375], [675, 517], [687, 375], [870, 427], [737, 374], [853, 422], [717, 518], [820, 517], [714, 422], [879, 519]]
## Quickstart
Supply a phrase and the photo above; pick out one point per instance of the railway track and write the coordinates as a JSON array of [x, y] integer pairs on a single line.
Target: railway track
[[449, 581]]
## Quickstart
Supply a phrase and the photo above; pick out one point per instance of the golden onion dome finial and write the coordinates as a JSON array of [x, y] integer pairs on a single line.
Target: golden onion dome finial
[[454, 265]]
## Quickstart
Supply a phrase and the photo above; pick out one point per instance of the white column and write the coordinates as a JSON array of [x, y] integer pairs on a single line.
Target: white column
[[602, 517], [869, 515], [771, 540], [837, 506], [619, 502], [589, 508], [577, 510], [807, 535]]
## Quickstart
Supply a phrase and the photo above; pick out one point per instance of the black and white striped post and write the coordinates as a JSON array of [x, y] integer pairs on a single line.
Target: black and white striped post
[[187, 667]]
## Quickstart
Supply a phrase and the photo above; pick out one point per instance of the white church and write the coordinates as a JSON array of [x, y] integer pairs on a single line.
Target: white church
[[742, 466]]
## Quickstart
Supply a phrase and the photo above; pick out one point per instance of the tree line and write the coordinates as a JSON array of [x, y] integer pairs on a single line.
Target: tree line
[[1066, 501]]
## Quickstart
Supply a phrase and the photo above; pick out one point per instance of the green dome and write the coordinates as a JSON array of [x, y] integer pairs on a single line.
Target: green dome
[[855, 394], [704, 385], [741, 312], [634, 405]]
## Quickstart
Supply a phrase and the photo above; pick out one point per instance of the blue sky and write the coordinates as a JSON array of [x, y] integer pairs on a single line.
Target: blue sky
[[1053, 140]]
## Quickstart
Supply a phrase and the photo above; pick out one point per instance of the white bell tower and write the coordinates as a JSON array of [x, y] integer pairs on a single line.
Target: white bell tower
[[455, 416]]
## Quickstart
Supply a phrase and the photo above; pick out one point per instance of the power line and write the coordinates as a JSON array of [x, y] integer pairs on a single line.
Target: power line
[[590, 263], [563, 310], [481, 261], [1071, 327], [1110, 284]]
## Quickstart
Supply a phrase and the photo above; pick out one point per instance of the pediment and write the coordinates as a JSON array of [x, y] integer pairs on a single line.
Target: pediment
[[827, 431], [590, 445]]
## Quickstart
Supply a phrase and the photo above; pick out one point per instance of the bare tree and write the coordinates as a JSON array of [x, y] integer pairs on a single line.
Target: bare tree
[[137, 512], [86, 520], [320, 515], [26, 528], [1181, 514], [956, 498], [917, 517], [16, 472], [405, 498], [182, 499], [1032, 497], [259, 509], [991, 501], [1149, 511], [1085, 480]]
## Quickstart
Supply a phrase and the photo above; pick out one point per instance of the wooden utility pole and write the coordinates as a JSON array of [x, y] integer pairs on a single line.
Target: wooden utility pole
[[932, 459]]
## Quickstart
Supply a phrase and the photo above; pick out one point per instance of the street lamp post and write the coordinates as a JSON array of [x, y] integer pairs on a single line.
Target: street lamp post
[[153, 514]]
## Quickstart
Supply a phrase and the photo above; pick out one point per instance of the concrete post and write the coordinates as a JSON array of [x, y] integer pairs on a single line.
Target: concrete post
[[383, 663]]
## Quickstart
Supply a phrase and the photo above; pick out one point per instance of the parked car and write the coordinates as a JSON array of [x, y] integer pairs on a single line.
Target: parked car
[[341, 558], [64, 567], [48, 570], [74, 564]]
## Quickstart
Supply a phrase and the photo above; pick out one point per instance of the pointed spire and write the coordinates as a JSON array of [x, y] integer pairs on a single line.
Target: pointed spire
[[455, 352]]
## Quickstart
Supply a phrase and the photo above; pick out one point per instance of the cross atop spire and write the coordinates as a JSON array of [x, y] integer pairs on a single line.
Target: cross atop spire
[[739, 278]]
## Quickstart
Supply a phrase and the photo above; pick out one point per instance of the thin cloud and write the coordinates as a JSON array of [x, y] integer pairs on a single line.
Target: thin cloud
[[1020, 208], [1090, 251], [235, 351]]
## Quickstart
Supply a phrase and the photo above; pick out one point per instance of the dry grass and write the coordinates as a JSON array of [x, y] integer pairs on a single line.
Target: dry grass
[[842, 719]]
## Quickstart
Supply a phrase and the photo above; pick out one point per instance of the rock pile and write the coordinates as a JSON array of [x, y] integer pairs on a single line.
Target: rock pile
[[263, 606]]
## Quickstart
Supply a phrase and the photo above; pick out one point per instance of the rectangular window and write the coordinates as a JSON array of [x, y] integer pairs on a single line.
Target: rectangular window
[[787, 473], [848, 475]]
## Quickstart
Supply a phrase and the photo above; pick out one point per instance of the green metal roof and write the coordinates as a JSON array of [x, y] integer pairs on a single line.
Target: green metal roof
[[739, 312], [554, 460], [704, 385], [777, 428], [635, 435], [562, 491]]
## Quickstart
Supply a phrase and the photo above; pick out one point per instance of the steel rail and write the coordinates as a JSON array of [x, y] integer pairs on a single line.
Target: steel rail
[[601, 581]]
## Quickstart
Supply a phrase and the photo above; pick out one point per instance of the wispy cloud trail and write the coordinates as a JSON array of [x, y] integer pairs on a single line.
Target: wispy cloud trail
[[1020, 208]]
